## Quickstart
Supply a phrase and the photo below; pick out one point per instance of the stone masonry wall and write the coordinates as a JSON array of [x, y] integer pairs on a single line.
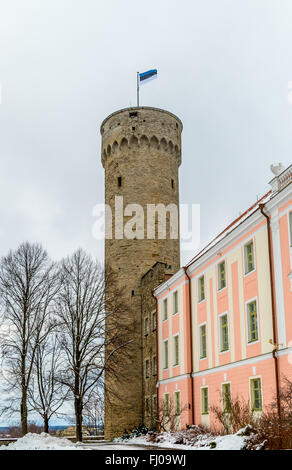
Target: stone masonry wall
[[141, 153]]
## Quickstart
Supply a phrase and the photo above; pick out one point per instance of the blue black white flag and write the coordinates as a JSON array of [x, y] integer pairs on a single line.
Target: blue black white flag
[[147, 76]]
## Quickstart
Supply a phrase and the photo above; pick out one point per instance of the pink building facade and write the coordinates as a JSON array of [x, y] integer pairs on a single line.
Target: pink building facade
[[225, 320]]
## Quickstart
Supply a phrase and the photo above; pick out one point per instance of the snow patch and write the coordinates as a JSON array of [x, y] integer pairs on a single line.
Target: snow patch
[[41, 441], [201, 442]]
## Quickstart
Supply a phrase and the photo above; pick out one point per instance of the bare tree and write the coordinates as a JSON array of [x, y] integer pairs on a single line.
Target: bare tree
[[93, 412], [28, 283], [233, 413], [169, 415], [82, 313], [46, 395]]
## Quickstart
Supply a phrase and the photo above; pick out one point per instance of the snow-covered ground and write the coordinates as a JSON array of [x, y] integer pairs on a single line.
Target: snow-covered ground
[[167, 440], [44, 441], [204, 441], [41, 441]]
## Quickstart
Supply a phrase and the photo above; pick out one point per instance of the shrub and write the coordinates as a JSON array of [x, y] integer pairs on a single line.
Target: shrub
[[274, 432], [238, 416], [136, 432]]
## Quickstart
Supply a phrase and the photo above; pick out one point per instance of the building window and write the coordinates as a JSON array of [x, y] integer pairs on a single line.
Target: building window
[[221, 275], [172, 184], [203, 342], [154, 365], [226, 398], [146, 326], [166, 354], [165, 312], [154, 406], [147, 368], [290, 227], [175, 302], [166, 404], [249, 257], [119, 181], [252, 320], [176, 350], [147, 406], [201, 282], [224, 342], [177, 403], [256, 394], [154, 321], [205, 401]]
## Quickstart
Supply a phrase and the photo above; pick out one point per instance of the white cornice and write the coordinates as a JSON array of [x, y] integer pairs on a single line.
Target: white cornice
[[173, 379], [230, 238], [166, 286], [279, 182], [281, 197], [232, 365]]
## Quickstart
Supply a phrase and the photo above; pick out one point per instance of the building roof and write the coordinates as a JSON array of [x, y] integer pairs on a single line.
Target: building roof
[[235, 223], [278, 183]]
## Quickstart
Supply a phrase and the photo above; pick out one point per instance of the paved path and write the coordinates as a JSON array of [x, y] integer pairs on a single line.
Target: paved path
[[108, 445]]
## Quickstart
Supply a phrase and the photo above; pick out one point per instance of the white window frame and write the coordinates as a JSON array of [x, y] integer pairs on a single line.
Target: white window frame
[[163, 311], [220, 262], [177, 391], [199, 290], [289, 211], [262, 394], [169, 410], [220, 336], [175, 313], [244, 256], [222, 384], [290, 227], [164, 356], [173, 342], [249, 343], [201, 388], [200, 341]]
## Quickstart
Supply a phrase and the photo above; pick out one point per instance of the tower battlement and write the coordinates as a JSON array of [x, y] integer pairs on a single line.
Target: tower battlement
[[142, 127]]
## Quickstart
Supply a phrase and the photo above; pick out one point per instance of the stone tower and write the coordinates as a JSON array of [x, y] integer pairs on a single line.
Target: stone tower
[[141, 154]]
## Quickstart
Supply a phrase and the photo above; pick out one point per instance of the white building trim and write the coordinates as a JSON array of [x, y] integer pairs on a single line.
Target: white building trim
[[233, 365]]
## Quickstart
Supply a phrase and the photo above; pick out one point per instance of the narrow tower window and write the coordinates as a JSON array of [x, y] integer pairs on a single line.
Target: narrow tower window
[[119, 181], [172, 184]]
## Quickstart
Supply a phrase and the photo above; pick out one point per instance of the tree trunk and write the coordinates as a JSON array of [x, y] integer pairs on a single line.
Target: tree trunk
[[78, 416], [46, 424], [23, 412]]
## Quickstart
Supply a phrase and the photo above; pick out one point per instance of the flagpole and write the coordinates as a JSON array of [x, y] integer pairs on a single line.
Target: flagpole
[[138, 89]]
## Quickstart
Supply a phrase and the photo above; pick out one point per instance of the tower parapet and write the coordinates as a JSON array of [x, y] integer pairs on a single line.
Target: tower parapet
[[142, 127]]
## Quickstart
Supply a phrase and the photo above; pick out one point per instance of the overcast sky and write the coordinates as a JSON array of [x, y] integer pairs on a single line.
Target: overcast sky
[[224, 68]]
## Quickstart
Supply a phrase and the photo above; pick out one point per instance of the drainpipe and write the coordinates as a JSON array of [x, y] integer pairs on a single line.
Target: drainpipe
[[275, 335], [157, 358], [191, 345]]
